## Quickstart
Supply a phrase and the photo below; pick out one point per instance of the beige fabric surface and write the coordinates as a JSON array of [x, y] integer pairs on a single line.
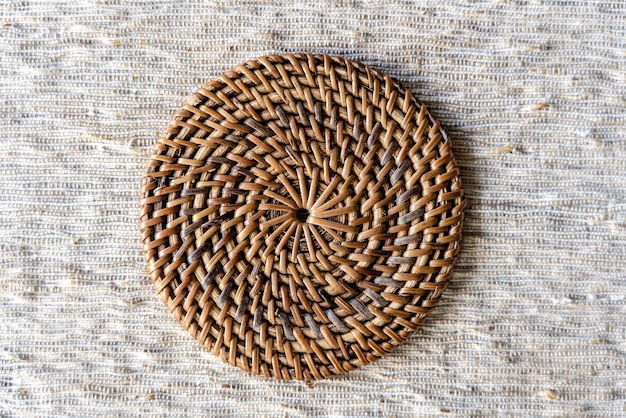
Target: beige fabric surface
[[533, 94]]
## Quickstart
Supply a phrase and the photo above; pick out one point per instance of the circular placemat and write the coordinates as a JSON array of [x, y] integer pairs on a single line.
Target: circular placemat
[[300, 215]]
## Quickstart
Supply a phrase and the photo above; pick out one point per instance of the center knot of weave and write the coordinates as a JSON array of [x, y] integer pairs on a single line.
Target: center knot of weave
[[302, 214]]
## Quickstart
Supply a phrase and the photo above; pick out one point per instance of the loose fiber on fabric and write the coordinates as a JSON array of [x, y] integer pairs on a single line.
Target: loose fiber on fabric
[[301, 215]]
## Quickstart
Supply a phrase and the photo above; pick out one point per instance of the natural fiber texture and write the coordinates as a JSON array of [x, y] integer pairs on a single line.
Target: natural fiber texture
[[531, 94], [300, 215]]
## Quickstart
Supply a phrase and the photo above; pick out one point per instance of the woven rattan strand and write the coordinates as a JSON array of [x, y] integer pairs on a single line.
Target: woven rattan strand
[[300, 215]]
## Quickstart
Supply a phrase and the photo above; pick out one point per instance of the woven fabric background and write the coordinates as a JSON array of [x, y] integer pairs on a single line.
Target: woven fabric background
[[533, 94]]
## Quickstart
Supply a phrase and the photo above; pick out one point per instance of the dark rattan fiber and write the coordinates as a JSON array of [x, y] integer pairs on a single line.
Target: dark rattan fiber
[[300, 215]]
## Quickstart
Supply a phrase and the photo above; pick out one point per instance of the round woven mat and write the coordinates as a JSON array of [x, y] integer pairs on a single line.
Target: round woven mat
[[300, 215]]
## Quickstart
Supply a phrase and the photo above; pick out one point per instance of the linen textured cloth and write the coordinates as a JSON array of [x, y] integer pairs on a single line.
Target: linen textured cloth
[[533, 95]]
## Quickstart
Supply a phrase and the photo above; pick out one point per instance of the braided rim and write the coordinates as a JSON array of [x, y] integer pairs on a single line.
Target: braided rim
[[301, 215]]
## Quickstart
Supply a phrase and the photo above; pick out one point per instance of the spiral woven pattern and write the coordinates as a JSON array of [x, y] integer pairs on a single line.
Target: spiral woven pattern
[[300, 215]]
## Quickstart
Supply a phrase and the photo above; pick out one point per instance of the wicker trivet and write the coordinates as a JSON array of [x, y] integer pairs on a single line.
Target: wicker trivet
[[300, 215]]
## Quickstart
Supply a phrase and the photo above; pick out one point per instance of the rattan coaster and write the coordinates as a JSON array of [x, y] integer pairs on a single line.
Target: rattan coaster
[[300, 215]]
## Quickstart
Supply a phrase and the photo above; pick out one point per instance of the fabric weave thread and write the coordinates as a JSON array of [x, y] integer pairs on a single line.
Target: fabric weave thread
[[533, 96]]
